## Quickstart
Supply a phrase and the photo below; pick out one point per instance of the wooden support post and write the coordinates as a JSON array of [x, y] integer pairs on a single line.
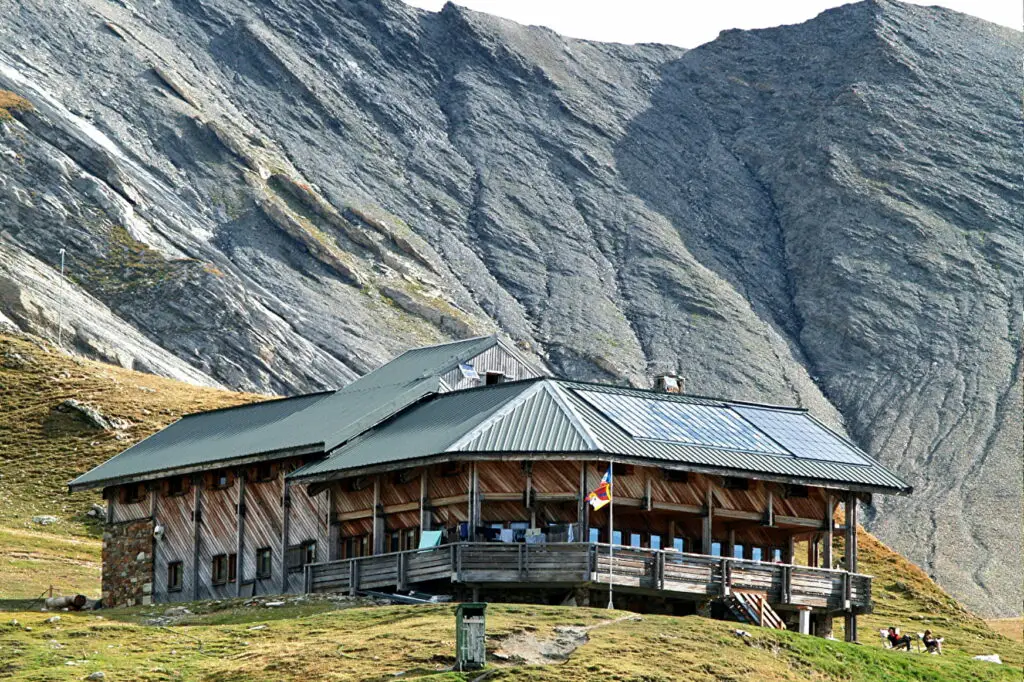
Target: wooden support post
[[725, 569], [708, 515], [672, 533], [826, 540], [424, 488], [648, 500], [790, 556], [239, 531], [197, 514], [378, 519], [769, 515], [582, 518], [851, 565], [730, 544], [812, 550], [787, 584], [851, 532], [286, 506], [474, 500]]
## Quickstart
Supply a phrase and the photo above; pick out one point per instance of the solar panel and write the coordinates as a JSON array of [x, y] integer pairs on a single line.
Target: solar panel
[[801, 435], [680, 422]]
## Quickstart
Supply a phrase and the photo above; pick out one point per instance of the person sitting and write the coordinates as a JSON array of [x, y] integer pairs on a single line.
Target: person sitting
[[897, 641], [931, 643]]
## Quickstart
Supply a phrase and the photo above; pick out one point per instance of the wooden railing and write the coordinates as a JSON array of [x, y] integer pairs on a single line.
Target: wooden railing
[[579, 563]]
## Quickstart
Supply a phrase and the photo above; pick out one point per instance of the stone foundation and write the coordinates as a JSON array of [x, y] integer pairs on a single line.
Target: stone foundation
[[128, 563]]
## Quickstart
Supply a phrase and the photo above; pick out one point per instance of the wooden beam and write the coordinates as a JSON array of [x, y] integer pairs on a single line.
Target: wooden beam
[[582, 517], [647, 493], [378, 519], [424, 491], [240, 512], [851, 533], [197, 513], [826, 540], [693, 509], [286, 505], [705, 538], [769, 515]]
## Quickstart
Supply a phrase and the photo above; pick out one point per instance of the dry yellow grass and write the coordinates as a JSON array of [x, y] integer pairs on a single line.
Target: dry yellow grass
[[1008, 627], [11, 102]]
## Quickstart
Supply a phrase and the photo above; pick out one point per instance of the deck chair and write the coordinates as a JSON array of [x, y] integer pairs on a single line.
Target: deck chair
[[884, 634], [921, 647]]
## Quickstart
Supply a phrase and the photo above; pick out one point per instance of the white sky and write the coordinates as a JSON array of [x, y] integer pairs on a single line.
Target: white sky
[[689, 23]]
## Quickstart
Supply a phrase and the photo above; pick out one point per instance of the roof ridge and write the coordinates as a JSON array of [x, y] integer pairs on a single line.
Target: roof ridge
[[663, 395], [271, 401]]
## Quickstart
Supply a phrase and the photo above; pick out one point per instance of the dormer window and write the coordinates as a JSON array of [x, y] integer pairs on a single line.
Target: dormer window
[[492, 378], [219, 480]]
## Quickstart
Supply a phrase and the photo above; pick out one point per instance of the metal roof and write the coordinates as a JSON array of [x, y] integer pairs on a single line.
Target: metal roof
[[317, 422], [550, 415]]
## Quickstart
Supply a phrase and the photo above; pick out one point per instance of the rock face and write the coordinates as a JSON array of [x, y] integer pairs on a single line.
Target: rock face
[[278, 196]]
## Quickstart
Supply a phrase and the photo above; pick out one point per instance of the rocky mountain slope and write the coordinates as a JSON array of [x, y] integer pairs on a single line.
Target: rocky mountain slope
[[279, 195]]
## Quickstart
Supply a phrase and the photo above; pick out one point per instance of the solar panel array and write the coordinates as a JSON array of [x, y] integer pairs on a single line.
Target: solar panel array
[[801, 435], [680, 422]]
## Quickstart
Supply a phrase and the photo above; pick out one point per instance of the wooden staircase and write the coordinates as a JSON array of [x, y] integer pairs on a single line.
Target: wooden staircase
[[753, 608]]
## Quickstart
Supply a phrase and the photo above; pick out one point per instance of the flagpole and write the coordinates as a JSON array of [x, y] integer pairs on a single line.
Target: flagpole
[[611, 534]]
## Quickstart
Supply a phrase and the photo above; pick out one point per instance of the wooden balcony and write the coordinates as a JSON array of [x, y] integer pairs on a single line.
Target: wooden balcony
[[636, 570]]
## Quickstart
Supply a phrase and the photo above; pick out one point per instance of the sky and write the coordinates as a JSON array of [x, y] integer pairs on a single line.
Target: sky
[[688, 23]]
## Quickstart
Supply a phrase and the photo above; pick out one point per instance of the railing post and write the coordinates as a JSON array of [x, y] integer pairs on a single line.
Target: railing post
[[400, 579], [353, 576], [847, 592], [661, 570], [308, 578], [787, 584], [725, 578], [526, 559], [519, 559], [458, 561]]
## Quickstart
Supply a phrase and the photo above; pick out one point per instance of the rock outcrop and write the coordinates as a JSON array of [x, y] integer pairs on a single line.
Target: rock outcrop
[[277, 196]]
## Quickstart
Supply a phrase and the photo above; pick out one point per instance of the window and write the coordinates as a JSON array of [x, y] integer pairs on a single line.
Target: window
[[174, 576], [735, 483], [796, 490], [355, 546], [519, 530], [492, 378], [411, 538], [617, 537], [264, 563], [176, 486], [622, 469], [133, 493], [655, 541], [299, 555], [756, 554], [219, 575], [634, 539], [777, 556], [262, 473], [449, 469], [232, 568], [673, 476], [595, 535], [219, 480], [737, 551], [679, 544], [716, 549]]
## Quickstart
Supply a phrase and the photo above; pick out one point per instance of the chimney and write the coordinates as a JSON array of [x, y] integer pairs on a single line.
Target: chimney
[[669, 383]]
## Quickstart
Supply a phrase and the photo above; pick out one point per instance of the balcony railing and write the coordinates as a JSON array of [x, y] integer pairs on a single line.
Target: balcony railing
[[570, 564]]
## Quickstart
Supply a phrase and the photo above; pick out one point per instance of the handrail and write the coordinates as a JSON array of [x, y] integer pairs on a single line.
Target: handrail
[[647, 552]]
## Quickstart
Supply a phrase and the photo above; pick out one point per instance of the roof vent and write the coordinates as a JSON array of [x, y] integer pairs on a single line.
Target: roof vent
[[669, 383]]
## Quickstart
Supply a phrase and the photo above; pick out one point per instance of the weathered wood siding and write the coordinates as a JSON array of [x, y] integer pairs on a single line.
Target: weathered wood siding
[[217, 533], [449, 496], [348, 503], [307, 521], [394, 493], [495, 359], [263, 527], [174, 514], [124, 511]]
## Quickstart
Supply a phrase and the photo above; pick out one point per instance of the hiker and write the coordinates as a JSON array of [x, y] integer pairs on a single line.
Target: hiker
[[931, 643], [898, 642]]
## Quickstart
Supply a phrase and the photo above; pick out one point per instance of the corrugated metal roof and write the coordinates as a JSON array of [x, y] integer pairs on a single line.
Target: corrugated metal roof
[[218, 434], [547, 415], [431, 427], [321, 420]]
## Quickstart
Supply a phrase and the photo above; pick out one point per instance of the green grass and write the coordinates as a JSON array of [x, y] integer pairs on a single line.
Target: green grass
[[320, 640]]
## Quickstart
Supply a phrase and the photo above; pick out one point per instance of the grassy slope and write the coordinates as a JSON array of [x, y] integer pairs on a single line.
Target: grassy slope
[[40, 453]]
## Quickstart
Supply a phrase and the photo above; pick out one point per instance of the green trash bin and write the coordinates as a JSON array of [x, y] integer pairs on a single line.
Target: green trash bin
[[470, 631]]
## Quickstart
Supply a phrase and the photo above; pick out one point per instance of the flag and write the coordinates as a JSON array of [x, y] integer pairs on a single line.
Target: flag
[[602, 495]]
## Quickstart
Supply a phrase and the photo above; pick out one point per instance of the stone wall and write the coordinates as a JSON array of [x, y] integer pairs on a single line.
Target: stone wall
[[128, 563]]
